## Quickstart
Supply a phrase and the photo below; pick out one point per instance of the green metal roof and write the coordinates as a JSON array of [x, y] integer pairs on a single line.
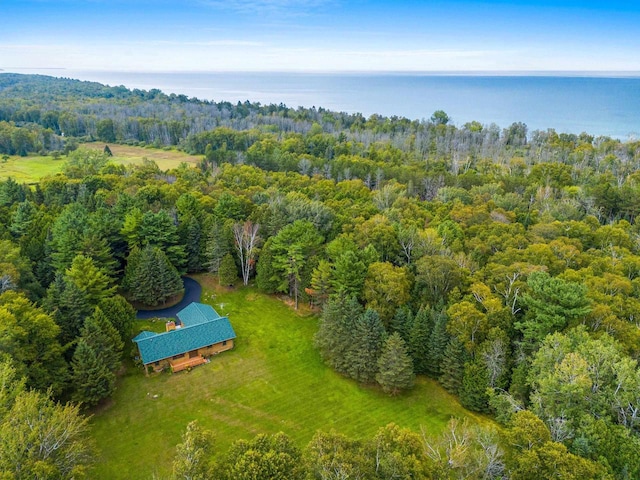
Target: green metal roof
[[202, 327], [144, 334], [196, 313]]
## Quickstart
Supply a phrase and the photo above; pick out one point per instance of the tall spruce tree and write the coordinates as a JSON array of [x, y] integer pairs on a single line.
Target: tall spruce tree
[[69, 307], [150, 278], [473, 389], [217, 245], [103, 338], [419, 338], [120, 314], [335, 337], [452, 367], [402, 322], [438, 341], [228, 271], [368, 339], [92, 378], [395, 366]]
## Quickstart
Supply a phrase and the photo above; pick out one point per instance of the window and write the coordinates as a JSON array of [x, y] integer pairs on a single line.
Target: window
[[175, 357], [224, 343]]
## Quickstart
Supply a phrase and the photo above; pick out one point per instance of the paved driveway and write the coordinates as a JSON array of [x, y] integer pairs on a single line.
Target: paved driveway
[[192, 292]]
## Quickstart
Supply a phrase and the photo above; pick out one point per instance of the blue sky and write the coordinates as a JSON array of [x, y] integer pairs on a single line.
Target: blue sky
[[320, 35]]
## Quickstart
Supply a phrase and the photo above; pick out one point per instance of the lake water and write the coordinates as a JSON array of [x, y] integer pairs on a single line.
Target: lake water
[[572, 104]]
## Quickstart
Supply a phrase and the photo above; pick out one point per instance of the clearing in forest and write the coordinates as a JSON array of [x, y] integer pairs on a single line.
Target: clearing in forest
[[273, 380]]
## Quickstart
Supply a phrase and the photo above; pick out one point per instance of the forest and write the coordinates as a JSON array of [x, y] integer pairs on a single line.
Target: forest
[[501, 262]]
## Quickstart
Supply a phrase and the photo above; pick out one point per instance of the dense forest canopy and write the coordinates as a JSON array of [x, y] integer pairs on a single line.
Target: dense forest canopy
[[502, 262]]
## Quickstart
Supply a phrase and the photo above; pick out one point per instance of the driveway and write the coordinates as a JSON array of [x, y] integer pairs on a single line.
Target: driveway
[[192, 292]]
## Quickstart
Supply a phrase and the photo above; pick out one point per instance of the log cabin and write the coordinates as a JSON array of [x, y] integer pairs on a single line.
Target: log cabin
[[198, 333]]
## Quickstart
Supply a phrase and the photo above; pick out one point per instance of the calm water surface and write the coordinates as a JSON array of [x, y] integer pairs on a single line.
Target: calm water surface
[[572, 104]]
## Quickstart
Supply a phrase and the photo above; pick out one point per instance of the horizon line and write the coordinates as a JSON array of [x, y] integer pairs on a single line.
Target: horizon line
[[541, 72]]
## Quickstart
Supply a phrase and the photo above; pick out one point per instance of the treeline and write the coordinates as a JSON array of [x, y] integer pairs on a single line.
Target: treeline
[[513, 279], [461, 452], [52, 114]]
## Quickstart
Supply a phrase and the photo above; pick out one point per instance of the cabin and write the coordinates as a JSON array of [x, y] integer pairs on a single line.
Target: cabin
[[197, 333]]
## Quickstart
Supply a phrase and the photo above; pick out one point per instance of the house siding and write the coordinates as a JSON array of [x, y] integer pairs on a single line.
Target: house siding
[[205, 352]]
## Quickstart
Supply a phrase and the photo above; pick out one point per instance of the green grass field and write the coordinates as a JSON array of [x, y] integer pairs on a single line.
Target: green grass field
[[273, 380], [32, 168]]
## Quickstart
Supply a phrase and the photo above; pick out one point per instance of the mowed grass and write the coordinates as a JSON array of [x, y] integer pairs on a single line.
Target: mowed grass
[[31, 169], [273, 380]]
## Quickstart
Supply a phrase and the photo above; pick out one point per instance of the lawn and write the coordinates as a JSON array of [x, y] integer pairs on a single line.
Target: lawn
[[273, 380], [32, 168]]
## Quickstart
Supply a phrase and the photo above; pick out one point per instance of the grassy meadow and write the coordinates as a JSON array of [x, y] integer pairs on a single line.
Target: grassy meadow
[[273, 380], [32, 168]]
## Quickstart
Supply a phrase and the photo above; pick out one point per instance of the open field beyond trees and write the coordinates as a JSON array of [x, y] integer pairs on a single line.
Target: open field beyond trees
[[273, 380], [32, 168]]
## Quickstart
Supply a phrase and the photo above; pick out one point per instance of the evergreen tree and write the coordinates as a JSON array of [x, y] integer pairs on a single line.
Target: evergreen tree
[[438, 341], [552, 303], [452, 366], [266, 280], [321, 281], [92, 378], [150, 278], [217, 246], [395, 366], [402, 322], [192, 242], [349, 274], [228, 271], [419, 340], [93, 282], [120, 314], [368, 339], [473, 390], [69, 307], [335, 337], [103, 339], [11, 192], [67, 234]]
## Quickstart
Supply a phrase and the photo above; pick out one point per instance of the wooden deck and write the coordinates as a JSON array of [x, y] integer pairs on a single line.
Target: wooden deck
[[184, 363]]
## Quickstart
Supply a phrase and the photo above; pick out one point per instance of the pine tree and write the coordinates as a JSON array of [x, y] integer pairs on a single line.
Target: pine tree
[[473, 390], [192, 242], [266, 278], [228, 272], [335, 337], [419, 340], [217, 246], [120, 314], [103, 339], [402, 322], [321, 281], [68, 306], [88, 278], [92, 378], [395, 366], [438, 341], [452, 366], [368, 339], [150, 278]]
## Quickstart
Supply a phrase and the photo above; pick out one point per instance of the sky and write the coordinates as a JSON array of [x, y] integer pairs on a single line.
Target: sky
[[320, 35]]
